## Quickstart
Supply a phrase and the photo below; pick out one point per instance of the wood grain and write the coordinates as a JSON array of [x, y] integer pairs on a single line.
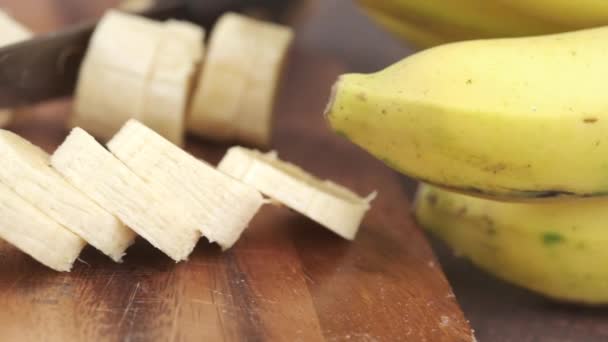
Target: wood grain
[[287, 279]]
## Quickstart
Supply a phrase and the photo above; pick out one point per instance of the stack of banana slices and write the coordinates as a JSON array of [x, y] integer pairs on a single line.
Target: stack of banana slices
[[142, 184]]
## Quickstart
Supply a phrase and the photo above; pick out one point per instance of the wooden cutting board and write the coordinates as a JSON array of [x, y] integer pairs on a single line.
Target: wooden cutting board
[[287, 279]]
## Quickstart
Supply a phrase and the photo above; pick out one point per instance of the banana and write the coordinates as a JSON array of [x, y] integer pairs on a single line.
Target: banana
[[37, 235], [222, 205], [26, 171], [11, 32], [112, 80], [95, 171], [235, 94], [574, 14], [518, 118], [326, 203], [463, 19], [556, 249], [416, 34], [168, 87], [137, 68]]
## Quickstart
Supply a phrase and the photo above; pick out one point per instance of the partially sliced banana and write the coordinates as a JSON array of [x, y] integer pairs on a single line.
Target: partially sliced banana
[[34, 233], [329, 204], [137, 68], [235, 95], [26, 170], [91, 168], [168, 88], [222, 205], [11, 32]]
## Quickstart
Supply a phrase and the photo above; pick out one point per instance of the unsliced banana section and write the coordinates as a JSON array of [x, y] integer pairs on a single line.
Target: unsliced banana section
[[36, 234], [11, 32], [89, 167], [26, 170], [137, 68], [329, 204], [221, 205], [236, 90]]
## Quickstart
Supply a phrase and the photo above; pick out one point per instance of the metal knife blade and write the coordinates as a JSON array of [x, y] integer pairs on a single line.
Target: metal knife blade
[[46, 67]]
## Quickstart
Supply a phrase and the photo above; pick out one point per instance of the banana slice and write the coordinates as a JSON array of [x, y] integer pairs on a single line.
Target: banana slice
[[326, 203], [27, 172], [168, 88], [11, 32], [37, 235], [112, 79], [223, 206], [137, 68], [235, 96], [96, 172]]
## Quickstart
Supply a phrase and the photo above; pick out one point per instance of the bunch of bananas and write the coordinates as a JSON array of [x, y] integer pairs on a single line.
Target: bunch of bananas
[[513, 135], [426, 23]]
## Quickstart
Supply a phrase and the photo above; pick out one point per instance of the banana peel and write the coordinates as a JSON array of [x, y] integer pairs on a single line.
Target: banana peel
[[555, 249]]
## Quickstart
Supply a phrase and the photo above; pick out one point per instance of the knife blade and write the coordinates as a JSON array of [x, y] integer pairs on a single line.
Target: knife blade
[[46, 67]]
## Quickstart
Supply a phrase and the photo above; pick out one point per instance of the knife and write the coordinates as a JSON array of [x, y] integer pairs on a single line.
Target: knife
[[46, 67]]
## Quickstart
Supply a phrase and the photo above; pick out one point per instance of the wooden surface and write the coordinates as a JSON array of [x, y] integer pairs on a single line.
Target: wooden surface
[[287, 279]]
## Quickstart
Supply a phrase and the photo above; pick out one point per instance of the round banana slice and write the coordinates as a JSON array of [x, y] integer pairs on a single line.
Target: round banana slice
[[168, 88], [137, 68], [34, 233], [11, 32], [329, 204], [236, 90]]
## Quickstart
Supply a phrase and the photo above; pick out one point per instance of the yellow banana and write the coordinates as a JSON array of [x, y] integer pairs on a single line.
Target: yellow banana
[[463, 19], [575, 14], [510, 118], [415, 34], [557, 249]]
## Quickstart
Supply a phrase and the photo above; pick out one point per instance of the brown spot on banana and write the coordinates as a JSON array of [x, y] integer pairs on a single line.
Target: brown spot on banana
[[590, 120]]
